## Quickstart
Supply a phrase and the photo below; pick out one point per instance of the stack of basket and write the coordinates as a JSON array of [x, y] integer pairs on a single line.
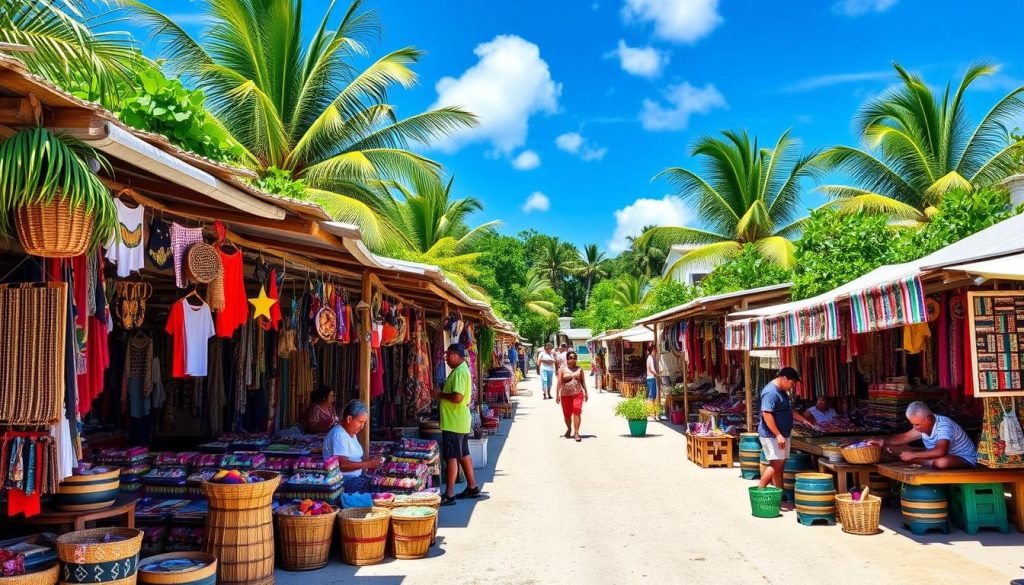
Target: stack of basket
[[240, 530]]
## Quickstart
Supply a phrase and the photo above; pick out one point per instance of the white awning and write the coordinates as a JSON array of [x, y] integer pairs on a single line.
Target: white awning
[[1008, 268]]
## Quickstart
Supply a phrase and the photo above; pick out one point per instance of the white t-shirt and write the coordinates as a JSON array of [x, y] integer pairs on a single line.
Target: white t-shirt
[[819, 416], [547, 360], [126, 247], [338, 443], [198, 331], [650, 367]]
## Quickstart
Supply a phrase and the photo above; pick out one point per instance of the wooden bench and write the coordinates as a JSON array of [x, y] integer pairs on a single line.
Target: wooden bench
[[915, 474], [123, 506]]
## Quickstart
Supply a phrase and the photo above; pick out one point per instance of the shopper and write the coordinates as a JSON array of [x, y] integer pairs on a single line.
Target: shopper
[[560, 356], [599, 370], [946, 445], [572, 393], [776, 424], [342, 442], [320, 415], [652, 379], [523, 366], [513, 358], [546, 369], [456, 425]]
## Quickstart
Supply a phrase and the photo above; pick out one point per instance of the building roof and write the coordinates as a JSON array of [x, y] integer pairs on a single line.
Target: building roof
[[576, 333], [719, 302]]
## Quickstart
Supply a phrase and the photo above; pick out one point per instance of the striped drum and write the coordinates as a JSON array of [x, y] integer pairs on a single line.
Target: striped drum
[[796, 463], [81, 493], [815, 498], [924, 508], [750, 452]]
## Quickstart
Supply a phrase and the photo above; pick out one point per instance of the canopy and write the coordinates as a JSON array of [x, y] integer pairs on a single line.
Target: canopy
[[638, 334], [1008, 268]]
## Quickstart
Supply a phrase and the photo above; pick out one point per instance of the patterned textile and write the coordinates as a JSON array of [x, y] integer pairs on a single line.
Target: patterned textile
[[774, 331], [893, 304], [737, 335], [181, 238], [817, 324]]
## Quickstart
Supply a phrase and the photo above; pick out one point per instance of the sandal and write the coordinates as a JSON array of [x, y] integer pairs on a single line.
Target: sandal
[[448, 500], [578, 438], [468, 493]]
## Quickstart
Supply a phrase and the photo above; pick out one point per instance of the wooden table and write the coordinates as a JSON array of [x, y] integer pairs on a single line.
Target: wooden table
[[124, 505], [813, 445], [861, 474], [915, 474]]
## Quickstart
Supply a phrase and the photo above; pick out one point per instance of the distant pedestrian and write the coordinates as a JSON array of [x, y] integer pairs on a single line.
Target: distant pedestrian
[[776, 424], [513, 358], [599, 370], [560, 356], [546, 369], [456, 424], [572, 393], [652, 377], [523, 366]]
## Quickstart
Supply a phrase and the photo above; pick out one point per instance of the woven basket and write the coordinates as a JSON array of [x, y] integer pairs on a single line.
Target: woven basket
[[859, 517], [305, 540], [364, 534], [47, 576], [422, 500], [80, 493], [202, 263], [833, 454], [240, 530], [862, 455], [54, 229], [201, 576], [765, 502], [411, 535], [113, 563], [386, 502]]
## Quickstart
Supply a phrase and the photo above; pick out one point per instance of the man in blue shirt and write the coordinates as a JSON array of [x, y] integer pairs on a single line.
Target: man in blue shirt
[[776, 424], [513, 357], [946, 445]]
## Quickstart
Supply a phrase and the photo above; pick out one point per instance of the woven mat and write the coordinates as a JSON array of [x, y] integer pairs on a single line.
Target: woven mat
[[33, 322]]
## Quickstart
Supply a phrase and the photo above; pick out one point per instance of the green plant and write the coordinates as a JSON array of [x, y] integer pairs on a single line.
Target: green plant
[[746, 270], [37, 165], [280, 182], [677, 390], [961, 213], [635, 408], [485, 340], [167, 107]]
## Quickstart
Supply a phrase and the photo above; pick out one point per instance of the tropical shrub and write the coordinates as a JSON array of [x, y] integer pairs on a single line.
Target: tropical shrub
[[746, 270], [280, 182], [635, 408]]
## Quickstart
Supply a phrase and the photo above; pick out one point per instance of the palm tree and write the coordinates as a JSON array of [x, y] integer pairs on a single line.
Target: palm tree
[[922, 145], [747, 194], [557, 259], [537, 287], [67, 50], [304, 106], [632, 291], [648, 258], [591, 266]]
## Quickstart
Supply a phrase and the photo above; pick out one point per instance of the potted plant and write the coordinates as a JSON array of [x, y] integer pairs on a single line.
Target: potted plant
[[635, 410], [59, 205]]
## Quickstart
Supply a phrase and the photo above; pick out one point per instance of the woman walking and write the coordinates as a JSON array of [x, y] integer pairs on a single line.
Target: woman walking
[[599, 370], [572, 393], [546, 369]]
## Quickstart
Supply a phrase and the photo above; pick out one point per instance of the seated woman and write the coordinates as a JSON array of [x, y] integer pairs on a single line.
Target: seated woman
[[341, 442], [320, 415], [946, 444], [820, 412]]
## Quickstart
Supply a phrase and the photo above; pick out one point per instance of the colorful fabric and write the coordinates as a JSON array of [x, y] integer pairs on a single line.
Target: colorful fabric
[[893, 304], [817, 324], [737, 335], [181, 239]]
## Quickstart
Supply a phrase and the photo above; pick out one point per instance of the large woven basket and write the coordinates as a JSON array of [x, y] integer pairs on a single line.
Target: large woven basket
[[429, 500], [203, 576], [55, 229], [47, 576], [85, 552], [305, 540], [862, 455], [240, 530], [860, 517], [79, 493], [411, 535], [202, 263], [364, 534]]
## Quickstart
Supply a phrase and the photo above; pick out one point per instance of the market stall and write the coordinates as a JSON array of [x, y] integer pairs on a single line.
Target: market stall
[[625, 354]]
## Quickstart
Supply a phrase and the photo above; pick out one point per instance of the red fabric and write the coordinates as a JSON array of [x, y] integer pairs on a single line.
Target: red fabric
[[236, 304], [572, 405], [377, 375], [19, 503], [97, 361], [968, 369], [349, 334], [176, 329]]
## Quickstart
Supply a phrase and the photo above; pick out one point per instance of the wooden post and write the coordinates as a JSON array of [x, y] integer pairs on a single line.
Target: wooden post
[[364, 354], [748, 383]]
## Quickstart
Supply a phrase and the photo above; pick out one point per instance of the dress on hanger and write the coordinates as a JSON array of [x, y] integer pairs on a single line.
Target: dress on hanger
[[236, 304], [181, 239], [125, 248]]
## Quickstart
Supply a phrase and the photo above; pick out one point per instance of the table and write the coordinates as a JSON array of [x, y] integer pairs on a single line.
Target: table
[[916, 474], [861, 474], [124, 505], [813, 445]]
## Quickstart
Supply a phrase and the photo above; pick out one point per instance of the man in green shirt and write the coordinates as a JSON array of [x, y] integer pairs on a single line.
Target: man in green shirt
[[456, 425]]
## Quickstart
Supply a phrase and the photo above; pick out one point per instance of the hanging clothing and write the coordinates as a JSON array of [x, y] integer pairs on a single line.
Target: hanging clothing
[[191, 329], [182, 239], [137, 376], [915, 337], [125, 248], [159, 247], [236, 304]]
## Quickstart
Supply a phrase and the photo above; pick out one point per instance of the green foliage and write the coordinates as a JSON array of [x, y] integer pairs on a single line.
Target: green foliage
[[604, 312], [668, 293], [836, 248], [635, 408], [280, 182], [485, 339], [746, 270], [960, 214], [165, 106]]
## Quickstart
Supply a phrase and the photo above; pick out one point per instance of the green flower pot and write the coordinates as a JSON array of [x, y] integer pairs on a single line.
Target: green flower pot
[[638, 428]]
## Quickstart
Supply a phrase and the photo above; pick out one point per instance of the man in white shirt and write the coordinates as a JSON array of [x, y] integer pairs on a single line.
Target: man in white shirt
[[820, 412], [652, 378]]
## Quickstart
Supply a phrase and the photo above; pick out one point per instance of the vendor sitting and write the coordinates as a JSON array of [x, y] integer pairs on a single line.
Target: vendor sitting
[[820, 412], [320, 415], [341, 442], [946, 444]]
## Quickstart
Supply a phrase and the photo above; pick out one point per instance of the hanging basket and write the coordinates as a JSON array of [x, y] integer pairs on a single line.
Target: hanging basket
[[54, 229], [203, 263]]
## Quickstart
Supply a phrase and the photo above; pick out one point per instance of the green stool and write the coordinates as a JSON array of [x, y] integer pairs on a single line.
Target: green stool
[[979, 505]]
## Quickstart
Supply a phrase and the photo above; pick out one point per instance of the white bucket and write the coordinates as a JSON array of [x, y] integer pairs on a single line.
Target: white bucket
[[478, 451]]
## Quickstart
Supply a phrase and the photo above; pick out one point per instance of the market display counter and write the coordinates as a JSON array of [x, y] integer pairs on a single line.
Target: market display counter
[[860, 474], [123, 506], [916, 474], [814, 445]]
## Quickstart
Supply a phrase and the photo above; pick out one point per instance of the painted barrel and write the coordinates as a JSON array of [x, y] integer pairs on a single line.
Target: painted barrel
[[815, 498], [81, 493], [880, 485], [924, 508], [797, 462], [750, 455], [99, 555]]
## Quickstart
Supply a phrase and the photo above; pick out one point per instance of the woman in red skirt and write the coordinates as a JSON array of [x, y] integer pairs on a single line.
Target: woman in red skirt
[[571, 394]]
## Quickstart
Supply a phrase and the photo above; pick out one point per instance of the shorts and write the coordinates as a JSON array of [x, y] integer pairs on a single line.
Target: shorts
[[572, 405], [652, 389], [454, 445], [547, 378], [771, 449]]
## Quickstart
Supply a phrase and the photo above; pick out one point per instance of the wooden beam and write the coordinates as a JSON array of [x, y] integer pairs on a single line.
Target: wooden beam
[[364, 354], [20, 111], [748, 390]]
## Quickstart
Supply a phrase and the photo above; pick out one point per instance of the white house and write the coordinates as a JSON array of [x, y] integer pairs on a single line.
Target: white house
[[576, 339], [690, 274]]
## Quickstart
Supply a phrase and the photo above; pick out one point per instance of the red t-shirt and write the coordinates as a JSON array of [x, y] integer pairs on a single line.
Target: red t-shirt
[[176, 329]]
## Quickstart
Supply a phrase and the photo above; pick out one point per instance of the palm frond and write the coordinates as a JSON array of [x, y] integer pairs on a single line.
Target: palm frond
[[851, 200], [706, 254], [778, 249]]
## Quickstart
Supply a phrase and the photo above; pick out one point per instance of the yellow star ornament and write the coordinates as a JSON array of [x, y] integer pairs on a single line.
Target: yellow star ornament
[[262, 304]]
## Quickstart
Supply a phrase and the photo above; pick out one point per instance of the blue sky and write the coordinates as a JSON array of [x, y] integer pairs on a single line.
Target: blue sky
[[584, 101]]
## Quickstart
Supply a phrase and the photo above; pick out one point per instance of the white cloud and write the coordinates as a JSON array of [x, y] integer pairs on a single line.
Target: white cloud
[[683, 21], [537, 201], [504, 88], [859, 7], [836, 79], [642, 61], [527, 160], [683, 100], [630, 220], [574, 143]]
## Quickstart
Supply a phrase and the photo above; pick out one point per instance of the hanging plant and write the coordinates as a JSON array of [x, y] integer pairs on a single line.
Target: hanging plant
[[485, 339], [59, 206]]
